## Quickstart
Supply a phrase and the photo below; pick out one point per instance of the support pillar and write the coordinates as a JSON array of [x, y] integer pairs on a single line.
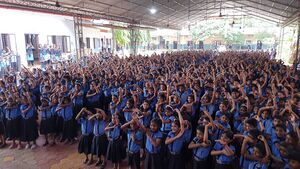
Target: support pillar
[[78, 37], [133, 40], [297, 59]]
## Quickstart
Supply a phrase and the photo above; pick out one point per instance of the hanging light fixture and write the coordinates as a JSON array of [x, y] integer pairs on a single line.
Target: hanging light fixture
[[153, 9]]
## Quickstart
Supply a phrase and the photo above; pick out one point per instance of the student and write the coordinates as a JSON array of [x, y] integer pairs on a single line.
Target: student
[[99, 143], [2, 121], [134, 140], [13, 115], [224, 151], [146, 113], [115, 146], [65, 110], [85, 142], [247, 149], [57, 120], [29, 131], [153, 145], [93, 96], [47, 127], [201, 146], [261, 152], [175, 142]]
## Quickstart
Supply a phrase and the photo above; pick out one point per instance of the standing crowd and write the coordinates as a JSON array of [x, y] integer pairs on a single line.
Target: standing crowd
[[181, 110]]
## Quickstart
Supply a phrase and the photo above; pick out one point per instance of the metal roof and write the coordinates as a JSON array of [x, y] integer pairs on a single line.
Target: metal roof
[[170, 13]]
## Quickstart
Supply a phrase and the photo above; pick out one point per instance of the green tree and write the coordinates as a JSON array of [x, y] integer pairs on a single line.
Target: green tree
[[121, 36], [264, 35], [234, 38]]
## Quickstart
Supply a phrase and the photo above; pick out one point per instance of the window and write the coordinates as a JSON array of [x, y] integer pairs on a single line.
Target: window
[[8, 41], [63, 42], [96, 43], [88, 43]]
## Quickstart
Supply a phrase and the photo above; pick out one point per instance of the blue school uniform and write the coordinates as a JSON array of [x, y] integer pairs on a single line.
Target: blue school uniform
[[127, 114], [46, 114], [219, 132], [147, 119], [78, 100], [115, 133], [13, 122], [166, 127], [29, 113], [86, 126], [115, 109], [99, 142], [223, 159], [149, 147], [257, 165], [176, 146], [131, 145], [200, 153], [66, 113], [11, 114], [99, 126], [244, 163], [115, 150], [85, 142], [183, 96], [267, 123]]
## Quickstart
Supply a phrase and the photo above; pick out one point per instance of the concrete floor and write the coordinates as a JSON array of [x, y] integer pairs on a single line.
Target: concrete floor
[[59, 156]]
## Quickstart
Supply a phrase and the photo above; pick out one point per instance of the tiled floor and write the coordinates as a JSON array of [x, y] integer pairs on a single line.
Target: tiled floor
[[57, 157]]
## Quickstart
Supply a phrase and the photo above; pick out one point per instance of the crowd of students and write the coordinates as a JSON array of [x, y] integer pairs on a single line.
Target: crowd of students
[[188, 109]]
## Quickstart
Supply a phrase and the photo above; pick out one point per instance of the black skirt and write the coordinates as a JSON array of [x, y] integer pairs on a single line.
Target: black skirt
[[85, 144], [29, 131], [200, 164], [68, 130], [59, 124], [99, 145], [175, 161], [47, 126], [134, 160], [13, 128], [115, 151], [152, 161], [2, 127]]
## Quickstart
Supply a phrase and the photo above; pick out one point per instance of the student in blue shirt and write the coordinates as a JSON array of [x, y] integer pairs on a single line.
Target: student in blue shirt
[[166, 120], [146, 113], [2, 121], [13, 115], [115, 149], [77, 98], [47, 126], [100, 142], [128, 110], [261, 152], [175, 142], [134, 141], [65, 110], [29, 131], [153, 145], [201, 146], [224, 151], [247, 153], [93, 96], [86, 138]]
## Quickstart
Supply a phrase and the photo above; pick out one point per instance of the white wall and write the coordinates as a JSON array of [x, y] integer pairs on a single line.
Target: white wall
[[91, 33], [24, 22]]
